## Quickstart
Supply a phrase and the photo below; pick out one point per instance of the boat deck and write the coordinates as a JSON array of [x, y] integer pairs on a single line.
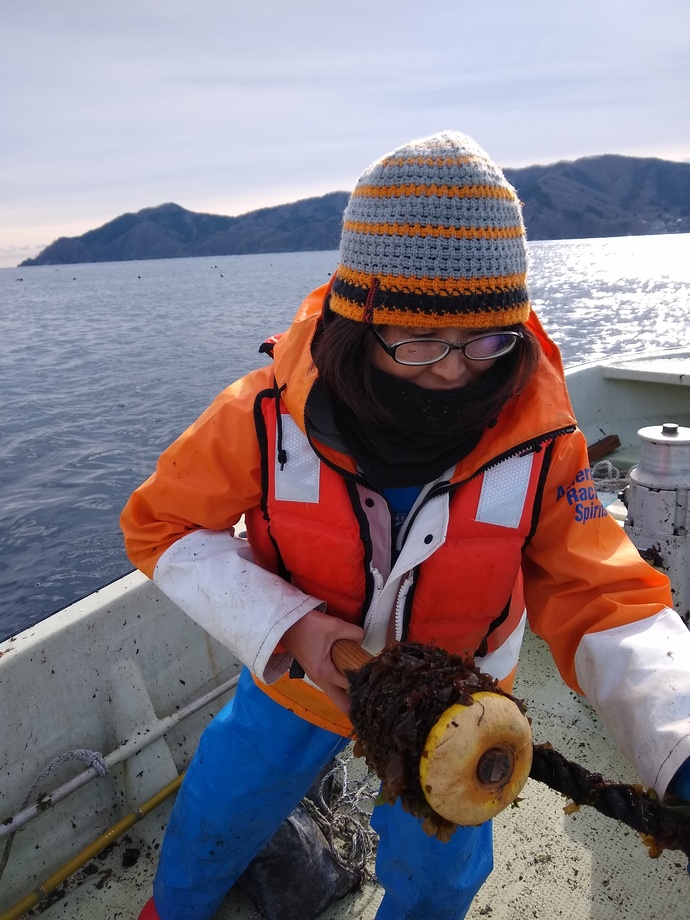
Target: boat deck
[[548, 865]]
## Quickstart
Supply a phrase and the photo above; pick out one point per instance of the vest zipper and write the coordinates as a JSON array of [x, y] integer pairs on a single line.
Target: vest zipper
[[401, 602]]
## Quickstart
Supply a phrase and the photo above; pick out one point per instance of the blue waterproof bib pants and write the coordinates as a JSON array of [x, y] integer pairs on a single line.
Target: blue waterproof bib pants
[[254, 764]]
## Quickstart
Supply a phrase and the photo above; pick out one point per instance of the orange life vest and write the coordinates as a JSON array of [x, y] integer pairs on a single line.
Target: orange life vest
[[316, 528]]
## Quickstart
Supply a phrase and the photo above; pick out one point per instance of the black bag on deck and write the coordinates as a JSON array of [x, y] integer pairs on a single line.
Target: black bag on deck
[[297, 875]]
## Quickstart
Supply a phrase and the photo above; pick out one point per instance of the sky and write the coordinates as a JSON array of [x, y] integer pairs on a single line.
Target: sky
[[225, 106]]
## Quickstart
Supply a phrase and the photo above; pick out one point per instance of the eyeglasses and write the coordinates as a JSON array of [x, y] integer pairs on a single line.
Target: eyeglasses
[[420, 351]]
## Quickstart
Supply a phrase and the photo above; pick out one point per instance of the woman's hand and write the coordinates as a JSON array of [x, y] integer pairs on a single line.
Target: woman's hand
[[309, 641]]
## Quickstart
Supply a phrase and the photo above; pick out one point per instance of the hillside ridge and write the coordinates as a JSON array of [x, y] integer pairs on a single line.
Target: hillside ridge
[[599, 196]]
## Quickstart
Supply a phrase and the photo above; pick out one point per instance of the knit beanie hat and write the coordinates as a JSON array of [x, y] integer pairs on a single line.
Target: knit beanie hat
[[433, 236]]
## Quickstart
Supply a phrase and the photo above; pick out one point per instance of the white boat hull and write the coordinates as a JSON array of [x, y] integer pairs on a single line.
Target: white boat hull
[[620, 396]]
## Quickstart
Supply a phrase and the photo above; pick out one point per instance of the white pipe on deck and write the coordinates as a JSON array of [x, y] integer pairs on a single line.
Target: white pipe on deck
[[140, 739]]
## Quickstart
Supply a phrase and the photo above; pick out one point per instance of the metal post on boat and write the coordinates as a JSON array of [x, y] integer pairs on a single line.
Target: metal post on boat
[[658, 500]]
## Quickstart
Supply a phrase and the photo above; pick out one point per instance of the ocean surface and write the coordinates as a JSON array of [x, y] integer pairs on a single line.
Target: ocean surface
[[103, 365]]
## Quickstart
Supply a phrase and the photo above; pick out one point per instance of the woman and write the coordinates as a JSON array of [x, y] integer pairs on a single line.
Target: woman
[[408, 467]]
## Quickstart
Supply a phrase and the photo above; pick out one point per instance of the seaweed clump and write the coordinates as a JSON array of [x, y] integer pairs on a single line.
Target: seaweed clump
[[396, 698]]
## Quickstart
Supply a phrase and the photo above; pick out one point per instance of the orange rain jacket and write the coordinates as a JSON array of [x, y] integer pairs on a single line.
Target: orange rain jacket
[[521, 506]]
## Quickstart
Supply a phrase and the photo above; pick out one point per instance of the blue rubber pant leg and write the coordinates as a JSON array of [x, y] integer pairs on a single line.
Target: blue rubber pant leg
[[422, 877], [255, 762]]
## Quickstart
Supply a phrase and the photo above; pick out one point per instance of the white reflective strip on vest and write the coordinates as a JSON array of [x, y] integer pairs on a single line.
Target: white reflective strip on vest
[[299, 479], [504, 490], [500, 664]]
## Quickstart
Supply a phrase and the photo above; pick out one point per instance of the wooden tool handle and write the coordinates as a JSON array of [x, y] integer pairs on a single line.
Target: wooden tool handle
[[348, 656]]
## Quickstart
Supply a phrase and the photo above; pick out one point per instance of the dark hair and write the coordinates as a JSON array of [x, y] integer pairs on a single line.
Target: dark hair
[[342, 352]]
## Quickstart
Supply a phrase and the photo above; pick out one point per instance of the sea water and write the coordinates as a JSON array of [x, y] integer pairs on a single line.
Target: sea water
[[103, 365]]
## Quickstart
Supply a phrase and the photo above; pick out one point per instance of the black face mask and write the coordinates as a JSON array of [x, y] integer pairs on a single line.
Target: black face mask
[[428, 430]]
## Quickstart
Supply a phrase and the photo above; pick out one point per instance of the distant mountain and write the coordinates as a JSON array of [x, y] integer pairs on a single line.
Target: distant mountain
[[590, 197], [169, 232], [604, 196]]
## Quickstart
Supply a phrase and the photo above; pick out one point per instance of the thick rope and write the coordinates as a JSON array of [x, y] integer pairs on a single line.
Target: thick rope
[[661, 827], [90, 758], [607, 477]]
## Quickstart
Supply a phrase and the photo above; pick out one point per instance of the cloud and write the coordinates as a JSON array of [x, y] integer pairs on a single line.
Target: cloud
[[116, 107]]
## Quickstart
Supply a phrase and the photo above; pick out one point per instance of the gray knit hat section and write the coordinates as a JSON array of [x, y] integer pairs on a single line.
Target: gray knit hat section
[[433, 234]]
